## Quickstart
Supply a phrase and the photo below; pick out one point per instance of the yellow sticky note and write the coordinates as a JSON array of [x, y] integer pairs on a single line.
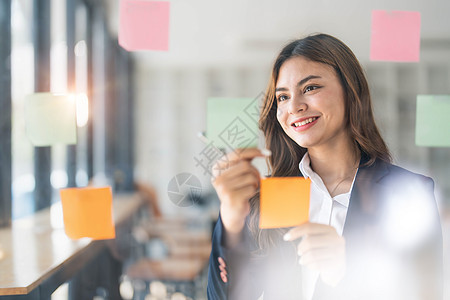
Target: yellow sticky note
[[87, 212], [284, 201], [50, 119]]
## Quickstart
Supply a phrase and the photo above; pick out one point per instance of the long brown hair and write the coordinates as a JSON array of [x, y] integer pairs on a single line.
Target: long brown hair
[[286, 153]]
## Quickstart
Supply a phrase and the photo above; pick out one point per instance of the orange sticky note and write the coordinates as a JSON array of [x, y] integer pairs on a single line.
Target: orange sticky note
[[144, 25], [395, 36], [87, 212], [284, 201]]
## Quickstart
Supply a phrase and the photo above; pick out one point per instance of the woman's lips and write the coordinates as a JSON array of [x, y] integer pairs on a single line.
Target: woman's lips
[[304, 124]]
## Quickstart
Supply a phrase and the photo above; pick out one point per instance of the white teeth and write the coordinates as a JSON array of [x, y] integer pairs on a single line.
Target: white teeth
[[304, 122]]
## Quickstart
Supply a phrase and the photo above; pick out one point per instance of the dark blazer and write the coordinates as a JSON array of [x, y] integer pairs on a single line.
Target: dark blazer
[[393, 246]]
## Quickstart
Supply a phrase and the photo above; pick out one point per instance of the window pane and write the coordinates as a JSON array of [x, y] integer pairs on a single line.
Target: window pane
[[58, 85], [81, 85], [22, 71]]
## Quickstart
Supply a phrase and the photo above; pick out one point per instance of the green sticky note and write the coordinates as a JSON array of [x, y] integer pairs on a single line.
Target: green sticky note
[[232, 122], [50, 119], [433, 121]]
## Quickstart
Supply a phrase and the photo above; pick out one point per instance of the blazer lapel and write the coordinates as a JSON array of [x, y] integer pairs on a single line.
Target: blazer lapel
[[364, 196]]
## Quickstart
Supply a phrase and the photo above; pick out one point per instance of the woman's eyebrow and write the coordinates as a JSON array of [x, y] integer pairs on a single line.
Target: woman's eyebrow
[[300, 83]]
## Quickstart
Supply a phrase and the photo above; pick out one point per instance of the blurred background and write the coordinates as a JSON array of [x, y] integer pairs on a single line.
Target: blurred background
[[140, 112]]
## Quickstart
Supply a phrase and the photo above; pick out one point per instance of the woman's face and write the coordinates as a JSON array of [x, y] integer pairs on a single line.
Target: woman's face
[[311, 107]]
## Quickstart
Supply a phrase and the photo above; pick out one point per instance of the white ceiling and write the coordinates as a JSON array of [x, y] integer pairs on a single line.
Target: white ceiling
[[219, 32]]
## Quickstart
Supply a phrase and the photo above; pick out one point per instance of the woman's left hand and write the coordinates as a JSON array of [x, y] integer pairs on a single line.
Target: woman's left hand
[[321, 248]]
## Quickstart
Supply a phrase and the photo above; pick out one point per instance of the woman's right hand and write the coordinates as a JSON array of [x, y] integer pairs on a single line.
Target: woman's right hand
[[236, 180]]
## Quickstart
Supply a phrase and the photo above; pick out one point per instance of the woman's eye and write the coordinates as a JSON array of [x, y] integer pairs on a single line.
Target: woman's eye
[[310, 88], [282, 98]]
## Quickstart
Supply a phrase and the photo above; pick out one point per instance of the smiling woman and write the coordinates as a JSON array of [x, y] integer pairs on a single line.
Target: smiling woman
[[318, 123], [312, 106]]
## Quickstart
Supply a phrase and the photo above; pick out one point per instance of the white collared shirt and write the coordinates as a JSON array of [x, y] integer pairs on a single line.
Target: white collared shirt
[[323, 209]]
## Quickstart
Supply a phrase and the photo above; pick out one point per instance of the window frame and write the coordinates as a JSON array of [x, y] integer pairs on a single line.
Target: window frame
[[5, 120]]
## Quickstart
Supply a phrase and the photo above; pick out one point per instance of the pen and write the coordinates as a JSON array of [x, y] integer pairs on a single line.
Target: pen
[[207, 142]]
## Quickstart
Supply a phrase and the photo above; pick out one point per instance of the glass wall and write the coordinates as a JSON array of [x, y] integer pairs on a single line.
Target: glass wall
[[22, 84], [85, 63]]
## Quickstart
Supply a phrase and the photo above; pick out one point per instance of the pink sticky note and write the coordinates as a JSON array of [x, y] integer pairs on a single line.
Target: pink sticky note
[[395, 36], [144, 25]]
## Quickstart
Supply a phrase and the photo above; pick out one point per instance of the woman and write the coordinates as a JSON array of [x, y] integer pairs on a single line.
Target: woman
[[359, 242]]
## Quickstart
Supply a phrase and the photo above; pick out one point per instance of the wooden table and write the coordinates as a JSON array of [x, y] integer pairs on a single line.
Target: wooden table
[[38, 256], [188, 250], [170, 269]]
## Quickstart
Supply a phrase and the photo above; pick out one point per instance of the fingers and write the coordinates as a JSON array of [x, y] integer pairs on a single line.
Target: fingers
[[240, 177], [237, 184], [316, 238], [243, 174], [321, 248], [308, 229], [321, 258], [312, 242], [317, 248], [232, 158], [223, 270], [241, 195], [222, 264], [246, 180], [247, 154], [240, 168]]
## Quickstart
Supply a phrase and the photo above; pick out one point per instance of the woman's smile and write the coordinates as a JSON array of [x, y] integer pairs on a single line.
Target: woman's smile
[[304, 123]]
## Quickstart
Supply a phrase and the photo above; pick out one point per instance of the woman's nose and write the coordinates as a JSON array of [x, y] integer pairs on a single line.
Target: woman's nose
[[297, 105]]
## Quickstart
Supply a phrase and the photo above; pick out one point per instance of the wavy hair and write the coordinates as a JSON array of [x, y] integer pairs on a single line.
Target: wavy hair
[[286, 153]]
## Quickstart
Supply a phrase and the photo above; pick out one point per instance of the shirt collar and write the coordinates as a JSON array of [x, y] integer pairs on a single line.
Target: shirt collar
[[305, 166], [305, 169]]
